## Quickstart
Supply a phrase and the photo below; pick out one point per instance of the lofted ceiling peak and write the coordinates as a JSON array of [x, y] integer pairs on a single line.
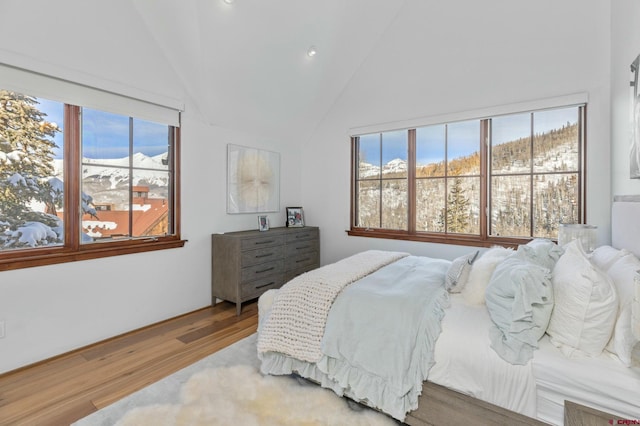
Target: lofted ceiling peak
[[244, 65]]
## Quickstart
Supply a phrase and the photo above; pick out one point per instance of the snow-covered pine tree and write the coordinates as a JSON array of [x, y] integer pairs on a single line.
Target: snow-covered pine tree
[[26, 165], [457, 208]]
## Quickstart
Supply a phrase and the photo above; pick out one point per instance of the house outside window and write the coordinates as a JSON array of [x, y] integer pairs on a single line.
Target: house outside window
[[78, 182], [504, 178]]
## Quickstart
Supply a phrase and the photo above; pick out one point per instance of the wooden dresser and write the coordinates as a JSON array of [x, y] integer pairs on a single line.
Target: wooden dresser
[[245, 264]]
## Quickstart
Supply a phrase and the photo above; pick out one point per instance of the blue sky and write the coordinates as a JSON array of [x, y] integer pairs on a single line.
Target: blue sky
[[106, 135], [463, 136]]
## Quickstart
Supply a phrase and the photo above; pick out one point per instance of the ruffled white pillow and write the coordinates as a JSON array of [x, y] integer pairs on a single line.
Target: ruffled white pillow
[[541, 251], [586, 304], [519, 299]]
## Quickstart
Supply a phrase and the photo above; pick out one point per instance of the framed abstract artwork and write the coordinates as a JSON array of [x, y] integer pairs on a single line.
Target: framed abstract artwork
[[253, 180]]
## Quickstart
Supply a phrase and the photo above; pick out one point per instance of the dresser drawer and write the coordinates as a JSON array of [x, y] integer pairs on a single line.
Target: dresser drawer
[[306, 234], [262, 255], [262, 241], [296, 248], [289, 275], [302, 261], [254, 272], [255, 288]]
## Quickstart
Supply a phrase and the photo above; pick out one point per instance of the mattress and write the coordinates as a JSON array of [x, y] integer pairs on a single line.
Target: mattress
[[465, 362], [537, 389], [602, 382]]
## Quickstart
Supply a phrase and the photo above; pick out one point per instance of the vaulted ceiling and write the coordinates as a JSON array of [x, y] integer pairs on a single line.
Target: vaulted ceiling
[[245, 64], [242, 65]]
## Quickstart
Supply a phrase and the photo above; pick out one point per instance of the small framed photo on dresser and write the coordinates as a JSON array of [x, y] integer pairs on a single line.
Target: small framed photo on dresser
[[263, 223], [295, 217]]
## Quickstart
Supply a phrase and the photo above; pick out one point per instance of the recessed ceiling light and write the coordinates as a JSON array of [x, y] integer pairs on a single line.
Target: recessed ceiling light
[[228, 1], [312, 51]]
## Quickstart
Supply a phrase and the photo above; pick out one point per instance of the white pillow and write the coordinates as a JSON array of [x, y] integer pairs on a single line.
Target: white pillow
[[481, 271], [622, 273], [605, 256], [586, 304], [458, 272]]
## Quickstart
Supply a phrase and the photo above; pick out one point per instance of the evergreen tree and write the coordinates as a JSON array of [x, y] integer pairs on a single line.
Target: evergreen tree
[[457, 208], [26, 164]]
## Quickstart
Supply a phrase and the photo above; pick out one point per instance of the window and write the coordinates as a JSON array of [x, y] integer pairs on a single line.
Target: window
[[79, 183], [501, 179]]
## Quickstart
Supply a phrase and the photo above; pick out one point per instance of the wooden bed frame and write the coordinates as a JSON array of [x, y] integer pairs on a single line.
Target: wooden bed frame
[[439, 405]]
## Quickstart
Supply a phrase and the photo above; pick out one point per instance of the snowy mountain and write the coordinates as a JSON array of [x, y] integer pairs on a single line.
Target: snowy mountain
[[107, 180], [117, 169], [396, 166]]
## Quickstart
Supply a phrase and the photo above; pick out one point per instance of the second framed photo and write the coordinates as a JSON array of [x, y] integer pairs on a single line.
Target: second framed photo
[[263, 223], [295, 217]]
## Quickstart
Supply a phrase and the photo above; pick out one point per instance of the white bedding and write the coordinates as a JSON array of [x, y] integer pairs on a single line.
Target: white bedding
[[465, 362], [297, 322], [362, 352], [537, 389], [602, 382], [456, 360]]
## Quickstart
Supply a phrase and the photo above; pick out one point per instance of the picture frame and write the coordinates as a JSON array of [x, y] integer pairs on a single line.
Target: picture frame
[[263, 223], [253, 180], [295, 217]]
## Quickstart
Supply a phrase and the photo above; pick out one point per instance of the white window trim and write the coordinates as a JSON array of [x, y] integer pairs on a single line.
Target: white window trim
[[35, 78], [478, 114]]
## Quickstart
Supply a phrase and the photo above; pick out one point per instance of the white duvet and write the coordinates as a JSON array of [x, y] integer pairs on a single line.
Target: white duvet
[[464, 361]]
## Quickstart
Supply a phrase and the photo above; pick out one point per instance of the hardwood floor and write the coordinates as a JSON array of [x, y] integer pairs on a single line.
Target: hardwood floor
[[66, 388]]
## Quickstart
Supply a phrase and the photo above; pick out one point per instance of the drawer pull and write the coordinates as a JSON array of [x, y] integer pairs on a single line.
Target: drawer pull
[[263, 255], [302, 260], [302, 236], [263, 242], [265, 270], [265, 285], [302, 247]]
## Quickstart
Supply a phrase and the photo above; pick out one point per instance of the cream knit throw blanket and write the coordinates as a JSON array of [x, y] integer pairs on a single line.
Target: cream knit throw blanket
[[295, 325]]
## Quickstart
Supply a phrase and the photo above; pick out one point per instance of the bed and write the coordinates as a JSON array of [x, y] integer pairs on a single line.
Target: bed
[[467, 363]]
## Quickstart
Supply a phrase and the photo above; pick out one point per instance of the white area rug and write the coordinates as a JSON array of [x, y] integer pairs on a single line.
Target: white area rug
[[227, 389]]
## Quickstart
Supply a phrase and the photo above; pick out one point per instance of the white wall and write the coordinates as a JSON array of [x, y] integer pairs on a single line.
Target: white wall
[[54, 309], [456, 56], [625, 47], [435, 58]]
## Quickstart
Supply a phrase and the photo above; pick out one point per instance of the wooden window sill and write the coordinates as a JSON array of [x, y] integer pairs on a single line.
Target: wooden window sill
[[91, 251], [462, 240]]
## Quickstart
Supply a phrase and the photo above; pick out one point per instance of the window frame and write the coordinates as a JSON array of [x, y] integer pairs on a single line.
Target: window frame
[[484, 239], [72, 249]]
